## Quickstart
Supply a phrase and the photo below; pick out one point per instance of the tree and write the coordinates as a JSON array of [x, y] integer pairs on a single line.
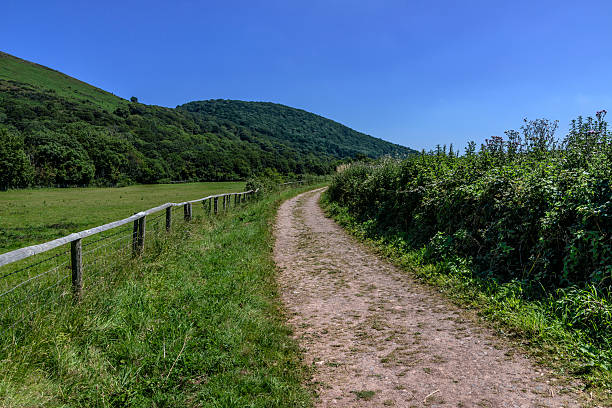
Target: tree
[[59, 159], [134, 99], [15, 167]]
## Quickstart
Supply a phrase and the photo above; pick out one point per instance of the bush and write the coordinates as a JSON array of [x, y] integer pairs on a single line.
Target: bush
[[528, 208], [525, 223], [266, 182]]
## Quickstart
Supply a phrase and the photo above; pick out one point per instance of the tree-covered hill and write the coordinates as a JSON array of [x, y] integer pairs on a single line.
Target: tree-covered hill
[[301, 130], [57, 130]]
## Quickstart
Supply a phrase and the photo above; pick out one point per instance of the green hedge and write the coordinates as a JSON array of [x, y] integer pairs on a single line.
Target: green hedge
[[528, 208]]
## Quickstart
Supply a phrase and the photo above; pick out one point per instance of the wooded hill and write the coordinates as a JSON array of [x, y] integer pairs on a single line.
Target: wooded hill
[[57, 130]]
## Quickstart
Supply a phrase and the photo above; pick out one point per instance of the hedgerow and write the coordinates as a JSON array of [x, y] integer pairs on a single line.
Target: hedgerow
[[527, 209]]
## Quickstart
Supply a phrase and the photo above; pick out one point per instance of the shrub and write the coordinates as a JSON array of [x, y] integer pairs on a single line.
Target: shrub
[[528, 208]]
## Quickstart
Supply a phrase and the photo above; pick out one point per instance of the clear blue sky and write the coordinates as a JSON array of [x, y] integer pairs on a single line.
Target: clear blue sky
[[416, 73]]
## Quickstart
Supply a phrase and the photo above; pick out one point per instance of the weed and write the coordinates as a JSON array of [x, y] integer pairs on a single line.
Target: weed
[[365, 395]]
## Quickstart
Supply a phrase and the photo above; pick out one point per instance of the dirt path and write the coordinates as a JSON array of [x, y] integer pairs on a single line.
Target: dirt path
[[378, 338]]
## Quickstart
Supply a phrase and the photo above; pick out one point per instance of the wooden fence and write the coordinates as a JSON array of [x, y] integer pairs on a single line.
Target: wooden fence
[[139, 221]]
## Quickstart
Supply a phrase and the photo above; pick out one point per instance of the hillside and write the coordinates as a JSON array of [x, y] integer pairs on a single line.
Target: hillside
[[303, 131], [57, 130], [26, 72]]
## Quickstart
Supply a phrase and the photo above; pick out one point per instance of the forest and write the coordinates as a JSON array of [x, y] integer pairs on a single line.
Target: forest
[[58, 131]]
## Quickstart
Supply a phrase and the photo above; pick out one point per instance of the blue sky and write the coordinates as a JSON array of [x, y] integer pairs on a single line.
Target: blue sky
[[416, 73]]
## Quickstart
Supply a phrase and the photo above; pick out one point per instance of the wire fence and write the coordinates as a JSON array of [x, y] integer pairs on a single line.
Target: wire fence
[[41, 279]]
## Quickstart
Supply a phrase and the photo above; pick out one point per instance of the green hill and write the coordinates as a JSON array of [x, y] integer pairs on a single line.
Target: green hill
[[57, 130], [25, 72], [301, 130]]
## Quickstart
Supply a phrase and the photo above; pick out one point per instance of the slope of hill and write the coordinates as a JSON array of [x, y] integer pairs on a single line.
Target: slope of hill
[[26, 72], [57, 130]]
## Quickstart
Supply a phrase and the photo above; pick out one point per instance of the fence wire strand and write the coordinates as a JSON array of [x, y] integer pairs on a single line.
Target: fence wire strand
[[128, 235], [33, 312], [33, 265], [32, 278], [102, 238], [96, 277], [37, 293]]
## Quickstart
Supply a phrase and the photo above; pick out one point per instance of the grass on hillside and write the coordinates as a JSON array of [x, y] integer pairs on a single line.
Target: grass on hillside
[[38, 76], [33, 216], [529, 323], [195, 322]]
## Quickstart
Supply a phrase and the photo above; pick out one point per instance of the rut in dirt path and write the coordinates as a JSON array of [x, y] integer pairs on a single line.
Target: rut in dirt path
[[378, 338]]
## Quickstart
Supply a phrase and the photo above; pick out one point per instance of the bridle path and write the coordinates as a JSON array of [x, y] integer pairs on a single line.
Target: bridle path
[[377, 338]]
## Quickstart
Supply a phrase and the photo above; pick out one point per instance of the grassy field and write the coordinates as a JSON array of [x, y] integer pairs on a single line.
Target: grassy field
[[195, 322], [33, 216], [12, 68]]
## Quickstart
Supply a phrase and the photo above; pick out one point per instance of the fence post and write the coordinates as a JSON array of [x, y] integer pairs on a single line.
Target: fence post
[[135, 238], [216, 204], [209, 205], [168, 219], [187, 212], [235, 199], [76, 260], [142, 226], [138, 237], [224, 200]]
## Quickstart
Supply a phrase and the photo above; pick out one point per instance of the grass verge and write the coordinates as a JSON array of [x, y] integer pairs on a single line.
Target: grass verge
[[195, 322], [531, 325]]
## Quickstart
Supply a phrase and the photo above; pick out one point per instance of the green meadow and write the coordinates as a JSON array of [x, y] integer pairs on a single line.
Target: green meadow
[[33, 216]]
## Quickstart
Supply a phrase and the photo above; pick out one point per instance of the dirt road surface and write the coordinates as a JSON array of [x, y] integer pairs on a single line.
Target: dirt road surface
[[377, 338]]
